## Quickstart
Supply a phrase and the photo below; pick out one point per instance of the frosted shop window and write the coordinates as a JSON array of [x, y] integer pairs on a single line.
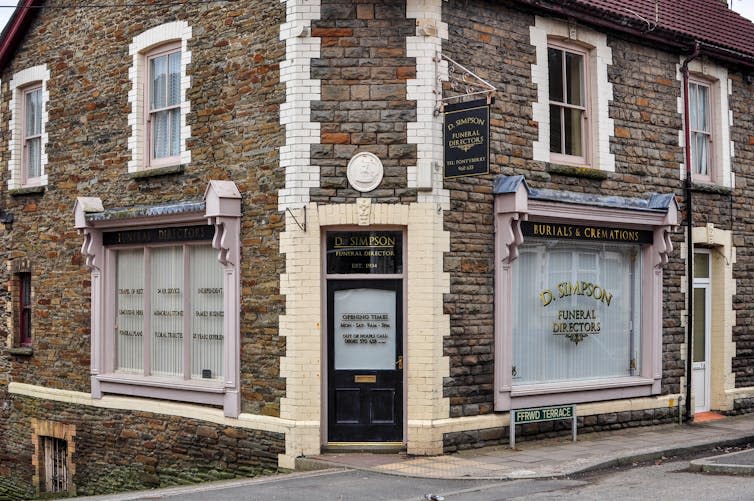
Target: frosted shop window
[[169, 311], [576, 311]]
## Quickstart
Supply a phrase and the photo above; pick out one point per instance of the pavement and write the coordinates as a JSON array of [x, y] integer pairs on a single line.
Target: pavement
[[556, 458], [552, 460]]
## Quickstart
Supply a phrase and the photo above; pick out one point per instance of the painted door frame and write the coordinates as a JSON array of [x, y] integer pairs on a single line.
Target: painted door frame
[[324, 391], [705, 284]]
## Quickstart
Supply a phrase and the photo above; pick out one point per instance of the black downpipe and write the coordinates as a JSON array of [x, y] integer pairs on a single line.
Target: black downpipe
[[689, 227]]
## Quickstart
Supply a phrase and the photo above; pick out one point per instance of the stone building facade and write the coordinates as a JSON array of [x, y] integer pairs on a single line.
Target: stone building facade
[[236, 238]]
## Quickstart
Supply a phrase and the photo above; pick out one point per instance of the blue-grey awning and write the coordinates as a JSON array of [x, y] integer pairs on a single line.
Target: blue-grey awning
[[654, 202]]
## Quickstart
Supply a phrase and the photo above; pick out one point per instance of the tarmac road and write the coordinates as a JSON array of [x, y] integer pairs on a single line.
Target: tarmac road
[[666, 480], [347, 485]]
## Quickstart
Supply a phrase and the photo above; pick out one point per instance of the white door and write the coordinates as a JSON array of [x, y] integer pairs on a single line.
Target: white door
[[700, 372]]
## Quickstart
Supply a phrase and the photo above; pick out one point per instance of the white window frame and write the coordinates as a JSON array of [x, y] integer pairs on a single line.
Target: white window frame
[[22, 82], [722, 149], [708, 133], [170, 36], [27, 178], [585, 109], [222, 209], [599, 127], [152, 160]]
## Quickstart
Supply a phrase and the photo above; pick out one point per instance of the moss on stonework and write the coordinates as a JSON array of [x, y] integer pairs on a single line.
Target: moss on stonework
[[571, 170]]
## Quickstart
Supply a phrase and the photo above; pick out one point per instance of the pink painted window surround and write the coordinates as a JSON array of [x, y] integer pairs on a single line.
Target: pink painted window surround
[[163, 102], [165, 314], [567, 267], [32, 133]]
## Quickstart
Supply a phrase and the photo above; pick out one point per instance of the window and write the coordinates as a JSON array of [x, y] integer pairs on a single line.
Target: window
[[165, 295], [169, 305], [28, 107], [159, 105], [578, 295], [708, 123], [55, 453], [587, 305], [54, 448], [568, 103], [700, 128], [20, 288], [24, 309], [573, 95], [32, 167], [164, 98]]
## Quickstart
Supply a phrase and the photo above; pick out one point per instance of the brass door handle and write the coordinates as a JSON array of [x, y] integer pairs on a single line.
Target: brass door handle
[[399, 363]]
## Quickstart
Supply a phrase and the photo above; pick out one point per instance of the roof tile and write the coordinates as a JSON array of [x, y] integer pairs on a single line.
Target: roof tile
[[709, 21]]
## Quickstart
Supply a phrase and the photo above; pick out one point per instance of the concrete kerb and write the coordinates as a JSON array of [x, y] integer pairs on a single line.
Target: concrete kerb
[[310, 464], [735, 463], [659, 454]]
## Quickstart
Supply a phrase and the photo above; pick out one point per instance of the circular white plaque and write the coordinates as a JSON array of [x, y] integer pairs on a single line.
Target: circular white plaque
[[365, 171]]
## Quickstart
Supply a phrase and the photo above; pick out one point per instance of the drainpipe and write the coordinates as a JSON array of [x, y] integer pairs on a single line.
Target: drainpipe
[[689, 227]]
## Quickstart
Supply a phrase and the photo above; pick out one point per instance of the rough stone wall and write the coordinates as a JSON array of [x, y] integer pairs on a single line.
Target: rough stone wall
[[458, 441], [494, 41], [234, 96], [741, 103], [129, 450], [363, 70]]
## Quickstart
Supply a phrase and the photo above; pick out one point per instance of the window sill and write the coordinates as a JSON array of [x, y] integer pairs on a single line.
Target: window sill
[[27, 190], [200, 392], [21, 351], [710, 188], [568, 386], [158, 171], [570, 392], [209, 385], [576, 171]]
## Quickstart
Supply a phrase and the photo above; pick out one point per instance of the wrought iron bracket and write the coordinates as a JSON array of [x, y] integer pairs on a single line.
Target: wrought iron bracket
[[303, 227], [475, 85]]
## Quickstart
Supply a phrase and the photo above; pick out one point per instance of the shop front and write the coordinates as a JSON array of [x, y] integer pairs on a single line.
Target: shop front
[[579, 295], [365, 325]]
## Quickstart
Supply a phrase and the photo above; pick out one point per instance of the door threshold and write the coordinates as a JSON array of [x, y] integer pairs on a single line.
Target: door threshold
[[707, 416], [373, 447]]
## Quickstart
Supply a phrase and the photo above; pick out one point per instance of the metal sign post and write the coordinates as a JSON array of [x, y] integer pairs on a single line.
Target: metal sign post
[[540, 414]]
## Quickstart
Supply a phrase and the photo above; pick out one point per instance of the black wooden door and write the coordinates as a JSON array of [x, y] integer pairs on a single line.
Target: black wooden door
[[365, 362]]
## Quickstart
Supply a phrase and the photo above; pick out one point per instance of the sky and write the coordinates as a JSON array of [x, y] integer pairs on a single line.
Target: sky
[[743, 7]]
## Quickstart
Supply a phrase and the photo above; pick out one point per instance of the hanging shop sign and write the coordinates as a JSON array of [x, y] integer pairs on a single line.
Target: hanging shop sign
[[372, 252], [585, 232], [466, 135], [159, 235]]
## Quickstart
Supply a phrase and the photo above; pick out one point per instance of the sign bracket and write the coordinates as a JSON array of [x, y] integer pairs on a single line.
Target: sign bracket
[[539, 414], [303, 227], [471, 80]]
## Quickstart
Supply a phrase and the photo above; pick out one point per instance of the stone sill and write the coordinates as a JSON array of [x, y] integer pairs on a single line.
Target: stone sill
[[710, 188], [158, 171], [575, 171], [23, 351], [27, 190]]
